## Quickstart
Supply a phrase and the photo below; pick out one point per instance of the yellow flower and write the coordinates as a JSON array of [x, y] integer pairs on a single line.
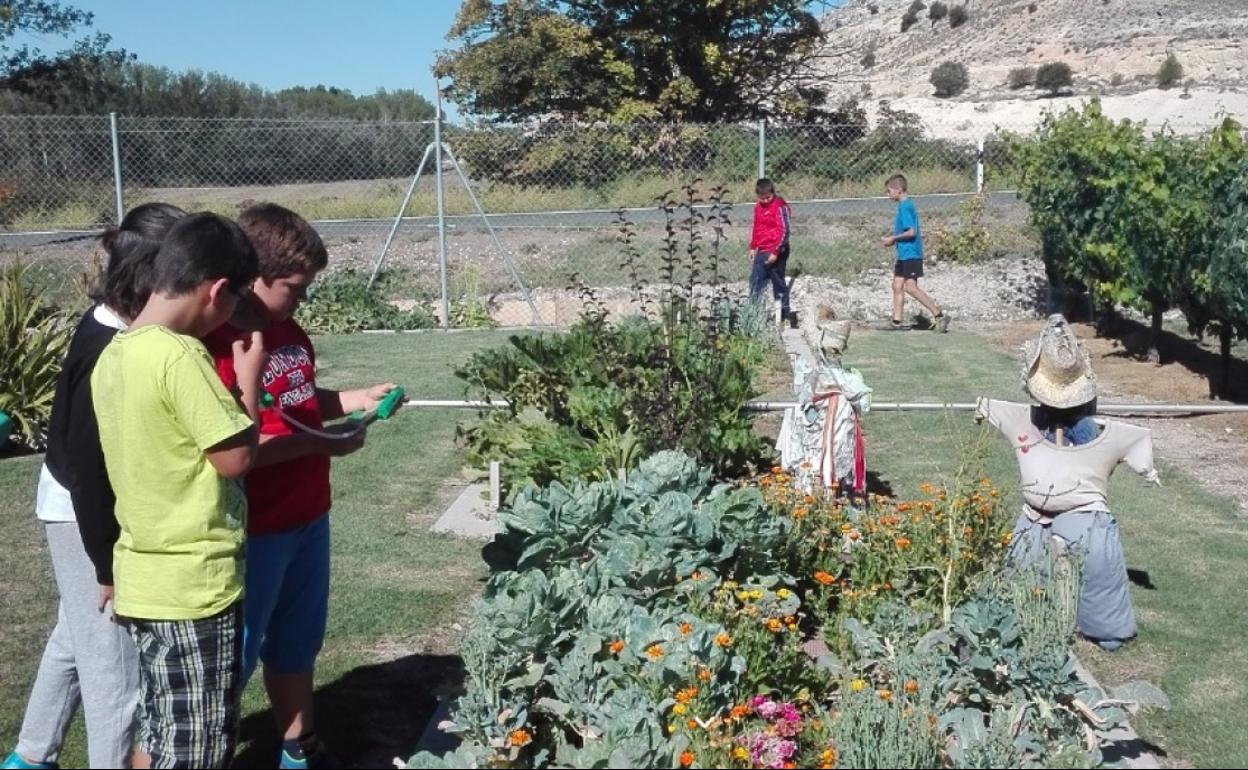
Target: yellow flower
[[774, 625], [858, 685], [784, 593], [741, 754], [827, 759], [757, 594], [654, 651], [743, 596], [723, 640], [679, 709]]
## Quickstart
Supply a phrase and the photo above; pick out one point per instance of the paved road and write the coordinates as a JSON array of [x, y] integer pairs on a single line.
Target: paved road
[[546, 220]]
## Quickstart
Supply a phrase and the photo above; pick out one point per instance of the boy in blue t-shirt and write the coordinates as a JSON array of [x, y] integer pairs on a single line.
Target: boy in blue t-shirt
[[908, 238]]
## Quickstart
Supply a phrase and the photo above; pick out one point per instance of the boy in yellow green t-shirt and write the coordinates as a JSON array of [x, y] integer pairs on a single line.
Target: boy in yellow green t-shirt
[[175, 443]]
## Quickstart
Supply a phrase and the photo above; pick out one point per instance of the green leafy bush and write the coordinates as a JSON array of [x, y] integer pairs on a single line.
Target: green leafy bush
[[1055, 77], [1170, 73], [970, 241], [1022, 77], [958, 15], [34, 339], [950, 78], [342, 303]]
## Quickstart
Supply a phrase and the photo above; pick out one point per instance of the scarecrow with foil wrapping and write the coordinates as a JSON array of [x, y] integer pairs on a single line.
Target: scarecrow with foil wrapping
[[1065, 457], [821, 440]]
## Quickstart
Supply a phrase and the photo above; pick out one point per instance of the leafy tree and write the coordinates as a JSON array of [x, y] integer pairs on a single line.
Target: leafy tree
[[937, 11], [1055, 77], [635, 59], [1170, 73], [908, 21], [958, 15], [950, 79]]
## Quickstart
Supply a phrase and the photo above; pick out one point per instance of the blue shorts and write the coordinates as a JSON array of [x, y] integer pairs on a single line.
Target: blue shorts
[[287, 599]]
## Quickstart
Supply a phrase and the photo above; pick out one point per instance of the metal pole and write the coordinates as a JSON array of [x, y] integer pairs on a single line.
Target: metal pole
[[411, 188], [121, 206], [511, 265], [437, 143], [979, 167], [895, 406], [762, 149]]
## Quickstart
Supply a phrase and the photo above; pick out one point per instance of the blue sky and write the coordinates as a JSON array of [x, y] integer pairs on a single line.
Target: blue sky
[[278, 43]]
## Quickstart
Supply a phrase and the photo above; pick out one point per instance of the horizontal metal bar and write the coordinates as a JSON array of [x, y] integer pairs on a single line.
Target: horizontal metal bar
[[899, 406]]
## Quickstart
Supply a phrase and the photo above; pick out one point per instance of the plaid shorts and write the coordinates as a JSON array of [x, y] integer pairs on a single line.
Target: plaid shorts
[[190, 682]]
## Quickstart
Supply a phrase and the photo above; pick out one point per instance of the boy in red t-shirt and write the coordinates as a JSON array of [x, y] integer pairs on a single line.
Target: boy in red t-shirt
[[288, 494], [769, 246]]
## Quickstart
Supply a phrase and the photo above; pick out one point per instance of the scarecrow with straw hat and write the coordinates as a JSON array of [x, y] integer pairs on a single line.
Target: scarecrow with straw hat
[[1065, 457]]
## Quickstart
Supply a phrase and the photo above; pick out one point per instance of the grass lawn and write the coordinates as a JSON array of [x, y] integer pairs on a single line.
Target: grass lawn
[[397, 589], [1188, 544]]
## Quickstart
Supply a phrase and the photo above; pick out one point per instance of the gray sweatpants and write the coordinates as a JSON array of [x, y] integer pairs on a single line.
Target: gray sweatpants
[[88, 660], [1105, 612]]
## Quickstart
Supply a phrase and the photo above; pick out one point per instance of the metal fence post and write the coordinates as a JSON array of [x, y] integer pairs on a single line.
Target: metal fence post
[[121, 206], [762, 149], [979, 167], [441, 196]]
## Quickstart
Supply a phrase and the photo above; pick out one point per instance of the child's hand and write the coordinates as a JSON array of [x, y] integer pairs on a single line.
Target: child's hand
[[773, 259], [887, 241], [250, 358], [372, 397]]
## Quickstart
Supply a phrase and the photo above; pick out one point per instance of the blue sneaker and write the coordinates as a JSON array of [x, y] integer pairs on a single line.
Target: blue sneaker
[[309, 755], [296, 763], [15, 762]]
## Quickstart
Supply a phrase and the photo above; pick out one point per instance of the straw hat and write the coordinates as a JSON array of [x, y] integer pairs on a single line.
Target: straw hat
[[1056, 369]]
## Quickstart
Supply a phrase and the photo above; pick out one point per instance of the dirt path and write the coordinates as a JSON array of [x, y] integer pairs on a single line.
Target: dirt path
[[1212, 448]]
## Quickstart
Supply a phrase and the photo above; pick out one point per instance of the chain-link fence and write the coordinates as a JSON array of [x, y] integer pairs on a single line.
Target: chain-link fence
[[527, 212]]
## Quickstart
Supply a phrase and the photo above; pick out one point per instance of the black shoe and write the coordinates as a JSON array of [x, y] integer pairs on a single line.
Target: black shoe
[[791, 317]]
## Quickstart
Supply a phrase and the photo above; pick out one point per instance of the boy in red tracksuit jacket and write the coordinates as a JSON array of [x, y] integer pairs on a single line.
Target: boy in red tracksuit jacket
[[769, 245]]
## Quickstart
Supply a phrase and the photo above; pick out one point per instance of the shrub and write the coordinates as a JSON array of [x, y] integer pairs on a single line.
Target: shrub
[[1170, 73], [1022, 77], [937, 11], [950, 79], [908, 21], [916, 6], [34, 339], [1031, 8], [873, 8], [1055, 77], [971, 240], [342, 303], [868, 60], [958, 15]]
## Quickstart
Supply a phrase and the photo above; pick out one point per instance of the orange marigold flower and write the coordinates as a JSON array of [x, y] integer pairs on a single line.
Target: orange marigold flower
[[912, 687], [692, 724], [854, 535], [617, 647], [774, 625], [1006, 538], [927, 488], [519, 738], [776, 470], [885, 695], [687, 694], [827, 760], [655, 651], [704, 675], [824, 578], [809, 499], [739, 712], [686, 629], [723, 640], [902, 542], [904, 507], [686, 759]]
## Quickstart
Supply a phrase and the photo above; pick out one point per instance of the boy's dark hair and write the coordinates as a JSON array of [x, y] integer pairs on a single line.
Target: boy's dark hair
[[284, 241], [764, 186], [898, 181], [203, 247], [131, 248]]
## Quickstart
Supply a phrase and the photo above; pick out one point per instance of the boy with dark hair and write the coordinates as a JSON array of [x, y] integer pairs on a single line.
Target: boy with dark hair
[[907, 237], [769, 245], [288, 493], [175, 442]]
